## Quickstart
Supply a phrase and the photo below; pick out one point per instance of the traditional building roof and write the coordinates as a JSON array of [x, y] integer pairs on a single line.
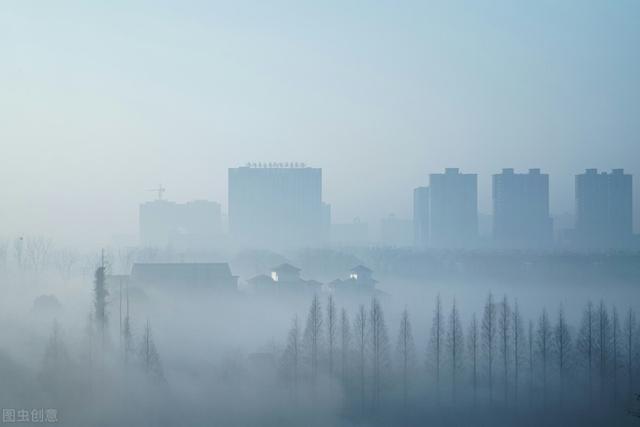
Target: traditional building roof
[[260, 278], [189, 274], [361, 269], [286, 268]]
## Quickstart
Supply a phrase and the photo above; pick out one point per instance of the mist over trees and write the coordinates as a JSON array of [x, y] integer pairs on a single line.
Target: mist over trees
[[546, 357], [372, 360]]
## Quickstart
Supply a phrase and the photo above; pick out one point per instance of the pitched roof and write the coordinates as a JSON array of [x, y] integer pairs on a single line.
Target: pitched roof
[[180, 272], [286, 267], [361, 269]]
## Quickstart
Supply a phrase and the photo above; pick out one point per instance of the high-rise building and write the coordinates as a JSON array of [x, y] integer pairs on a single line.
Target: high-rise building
[[604, 209], [453, 209], [421, 216], [185, 225], [521, 217], [275, 205]]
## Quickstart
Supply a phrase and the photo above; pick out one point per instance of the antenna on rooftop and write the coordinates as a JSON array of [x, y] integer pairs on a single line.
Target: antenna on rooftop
[[160, 190]]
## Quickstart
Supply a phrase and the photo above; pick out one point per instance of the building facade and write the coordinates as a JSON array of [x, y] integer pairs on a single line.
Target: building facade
[[453, 210], [521, 218], [275, 205], [604, 209], [184, 276]]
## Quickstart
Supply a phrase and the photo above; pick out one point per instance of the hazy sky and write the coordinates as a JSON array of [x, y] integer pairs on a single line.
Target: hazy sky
[[100, 101]]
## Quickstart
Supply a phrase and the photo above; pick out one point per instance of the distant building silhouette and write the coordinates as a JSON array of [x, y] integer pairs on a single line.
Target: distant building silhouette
[[521, 217], [275, 207], [360, 280], [421, 216], [604, 209], [186, 225], [178, 276], [453, 208], [284, 279]]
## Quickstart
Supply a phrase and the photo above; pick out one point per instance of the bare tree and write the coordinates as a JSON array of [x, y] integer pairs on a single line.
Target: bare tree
[[504, 328], [331, 331], [37, 252], [406, 352], [100, 303], [88, 344], [379, 349], [615, 352], [543, 346], [313, 335], [18, 252], [455, 348], [292, 354], [126, 334], [56, 360], [360, 325], [488, 334], [127, 338], [586, 347], [630, 350], [436, 343], [473, 344], [345, 344], [562, 348], [603, 342], [518, 337], [149, 357], [65, 260], [531, 360]]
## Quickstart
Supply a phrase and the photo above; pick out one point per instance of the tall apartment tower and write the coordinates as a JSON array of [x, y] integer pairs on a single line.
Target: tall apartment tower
[[421, 217], [275, 205], [521, 217], [453, 209], [604, 209]]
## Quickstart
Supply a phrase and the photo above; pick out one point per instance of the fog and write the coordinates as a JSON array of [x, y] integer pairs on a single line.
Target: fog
[[319, 213], [103, 102], [223, 357]]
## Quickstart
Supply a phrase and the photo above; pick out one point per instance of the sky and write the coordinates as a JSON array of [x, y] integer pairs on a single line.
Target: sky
[[102, 101]]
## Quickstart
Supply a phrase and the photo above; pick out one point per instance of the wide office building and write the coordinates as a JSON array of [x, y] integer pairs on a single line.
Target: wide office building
[[604, 209], [453, 198], [521, 218], [275, 205]]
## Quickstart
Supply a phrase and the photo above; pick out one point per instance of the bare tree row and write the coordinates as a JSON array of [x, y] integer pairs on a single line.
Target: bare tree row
[[499, 358]]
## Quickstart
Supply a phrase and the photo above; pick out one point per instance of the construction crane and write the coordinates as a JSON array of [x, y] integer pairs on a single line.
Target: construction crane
[[160, 190]]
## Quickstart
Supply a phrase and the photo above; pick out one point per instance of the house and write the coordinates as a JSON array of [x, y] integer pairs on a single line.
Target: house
[[216, 276], [285, 273], [285, 278], [360, 281]]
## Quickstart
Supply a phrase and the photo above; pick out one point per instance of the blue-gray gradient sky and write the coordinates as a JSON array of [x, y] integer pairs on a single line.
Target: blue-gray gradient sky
[[100, 101]]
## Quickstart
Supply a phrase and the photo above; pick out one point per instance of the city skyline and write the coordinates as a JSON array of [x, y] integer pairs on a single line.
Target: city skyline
[[130, 95], [334, 213], [375, 222], [292, 213]]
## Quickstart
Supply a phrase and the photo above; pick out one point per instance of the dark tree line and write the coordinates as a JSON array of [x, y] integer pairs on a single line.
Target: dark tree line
[[498, 359]]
